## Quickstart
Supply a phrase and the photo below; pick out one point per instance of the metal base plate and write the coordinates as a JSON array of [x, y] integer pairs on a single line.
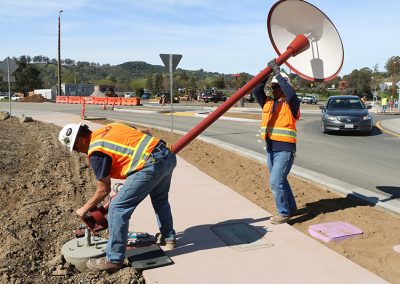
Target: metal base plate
[[147, 257]]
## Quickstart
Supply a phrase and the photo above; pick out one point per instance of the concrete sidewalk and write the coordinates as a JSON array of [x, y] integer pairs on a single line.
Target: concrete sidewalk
[[280, 253]]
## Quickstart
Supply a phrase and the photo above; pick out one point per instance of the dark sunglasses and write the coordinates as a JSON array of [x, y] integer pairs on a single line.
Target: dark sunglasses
[[275, 87]]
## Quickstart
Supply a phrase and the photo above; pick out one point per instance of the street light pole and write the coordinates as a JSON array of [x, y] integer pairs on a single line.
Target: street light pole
[[59, 56], [394, 86]]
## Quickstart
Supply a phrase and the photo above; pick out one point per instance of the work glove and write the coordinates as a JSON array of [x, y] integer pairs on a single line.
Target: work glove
[[275, 67]]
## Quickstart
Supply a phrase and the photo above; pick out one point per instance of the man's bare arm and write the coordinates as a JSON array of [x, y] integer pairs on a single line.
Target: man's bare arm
[[102, 191]]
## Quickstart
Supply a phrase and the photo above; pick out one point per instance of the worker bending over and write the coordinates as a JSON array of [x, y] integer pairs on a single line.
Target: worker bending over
[[122, 152]]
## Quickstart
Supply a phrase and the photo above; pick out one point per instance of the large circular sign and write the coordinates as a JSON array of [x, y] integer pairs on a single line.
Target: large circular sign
[[324, 59]]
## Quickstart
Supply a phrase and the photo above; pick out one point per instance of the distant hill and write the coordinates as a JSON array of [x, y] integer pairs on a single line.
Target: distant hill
[[132, 75]]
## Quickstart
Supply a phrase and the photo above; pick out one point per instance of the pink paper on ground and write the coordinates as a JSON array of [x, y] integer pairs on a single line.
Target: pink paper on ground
[[397, 248], [333, 231]]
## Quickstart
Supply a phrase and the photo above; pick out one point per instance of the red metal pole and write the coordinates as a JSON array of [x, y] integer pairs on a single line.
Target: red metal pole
[[83, 108], [298, 45]]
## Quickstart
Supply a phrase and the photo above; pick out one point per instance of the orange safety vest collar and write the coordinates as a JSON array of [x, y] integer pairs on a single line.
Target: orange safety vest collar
[[128, 148]]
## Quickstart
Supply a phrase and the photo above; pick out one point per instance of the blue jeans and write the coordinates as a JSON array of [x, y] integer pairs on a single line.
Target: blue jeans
[[279, 164], [154, 180]]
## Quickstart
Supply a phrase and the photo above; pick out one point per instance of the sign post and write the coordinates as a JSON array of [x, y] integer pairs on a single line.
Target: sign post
[[8, 66], [171, 61], [398, 92]]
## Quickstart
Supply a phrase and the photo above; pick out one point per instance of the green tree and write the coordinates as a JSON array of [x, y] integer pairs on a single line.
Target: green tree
[[183, 79], [375, 69], [219, 82], [104, 82], [149, 82], [158, 83], [359, 82], [243, 79], [193, 83], [393, 65], [27, 78], [138, 86], [68, 76]]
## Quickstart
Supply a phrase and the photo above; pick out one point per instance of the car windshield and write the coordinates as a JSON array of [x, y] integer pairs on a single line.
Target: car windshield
[[342, 104]]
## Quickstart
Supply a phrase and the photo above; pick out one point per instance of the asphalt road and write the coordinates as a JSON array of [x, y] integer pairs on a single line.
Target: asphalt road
[[371, 162]]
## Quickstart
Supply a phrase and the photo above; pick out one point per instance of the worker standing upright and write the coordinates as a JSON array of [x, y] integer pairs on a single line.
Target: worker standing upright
[[278, 129], [384, 103]]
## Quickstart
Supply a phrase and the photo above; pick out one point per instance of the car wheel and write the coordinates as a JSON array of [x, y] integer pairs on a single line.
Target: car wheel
[[369, 132]]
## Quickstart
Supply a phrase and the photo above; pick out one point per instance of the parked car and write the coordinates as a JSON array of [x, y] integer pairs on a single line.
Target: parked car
[[130, 95], [212, 95], [146, 96], [345, 113], [309, 99], [300, 97], [167, 97], [249, 97]]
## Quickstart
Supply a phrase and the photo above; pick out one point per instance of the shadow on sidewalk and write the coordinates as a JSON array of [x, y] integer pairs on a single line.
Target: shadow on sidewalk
[[394, 191], [323, 206], [202, 237]]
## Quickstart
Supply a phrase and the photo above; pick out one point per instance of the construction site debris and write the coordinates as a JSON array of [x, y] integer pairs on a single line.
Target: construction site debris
[[4, 115]]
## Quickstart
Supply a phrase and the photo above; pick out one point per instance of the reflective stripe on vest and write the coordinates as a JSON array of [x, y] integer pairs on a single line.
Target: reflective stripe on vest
[[127, 159], [282, 131], [278, 131]]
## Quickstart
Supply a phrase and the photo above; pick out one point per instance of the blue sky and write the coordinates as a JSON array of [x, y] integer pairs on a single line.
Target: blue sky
[[228, 36]]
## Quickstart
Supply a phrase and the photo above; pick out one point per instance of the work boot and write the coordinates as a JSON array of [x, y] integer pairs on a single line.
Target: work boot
[[102, 264], [279, 219], [169, 243]]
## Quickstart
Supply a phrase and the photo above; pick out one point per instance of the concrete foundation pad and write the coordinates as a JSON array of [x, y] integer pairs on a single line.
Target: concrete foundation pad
[[76, 252]]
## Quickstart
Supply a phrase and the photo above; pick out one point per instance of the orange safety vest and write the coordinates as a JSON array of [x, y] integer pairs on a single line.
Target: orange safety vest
[[128, 148], [279, 125]]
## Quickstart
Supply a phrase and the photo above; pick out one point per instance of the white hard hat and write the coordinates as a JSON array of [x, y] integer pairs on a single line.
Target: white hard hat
[[68, 134], [275, 80]]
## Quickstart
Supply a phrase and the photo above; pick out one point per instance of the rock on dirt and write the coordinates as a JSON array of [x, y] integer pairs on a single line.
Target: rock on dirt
[[4, 115]]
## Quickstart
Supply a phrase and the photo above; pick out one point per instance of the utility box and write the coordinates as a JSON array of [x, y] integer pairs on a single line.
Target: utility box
[[49, 94]]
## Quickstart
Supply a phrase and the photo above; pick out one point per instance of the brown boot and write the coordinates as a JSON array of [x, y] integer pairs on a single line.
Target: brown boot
[[102, 264], [279, 219], [168, 243]]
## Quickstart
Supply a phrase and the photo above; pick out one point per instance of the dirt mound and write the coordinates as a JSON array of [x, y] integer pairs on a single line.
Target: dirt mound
[[33, 99], [40, 186]]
